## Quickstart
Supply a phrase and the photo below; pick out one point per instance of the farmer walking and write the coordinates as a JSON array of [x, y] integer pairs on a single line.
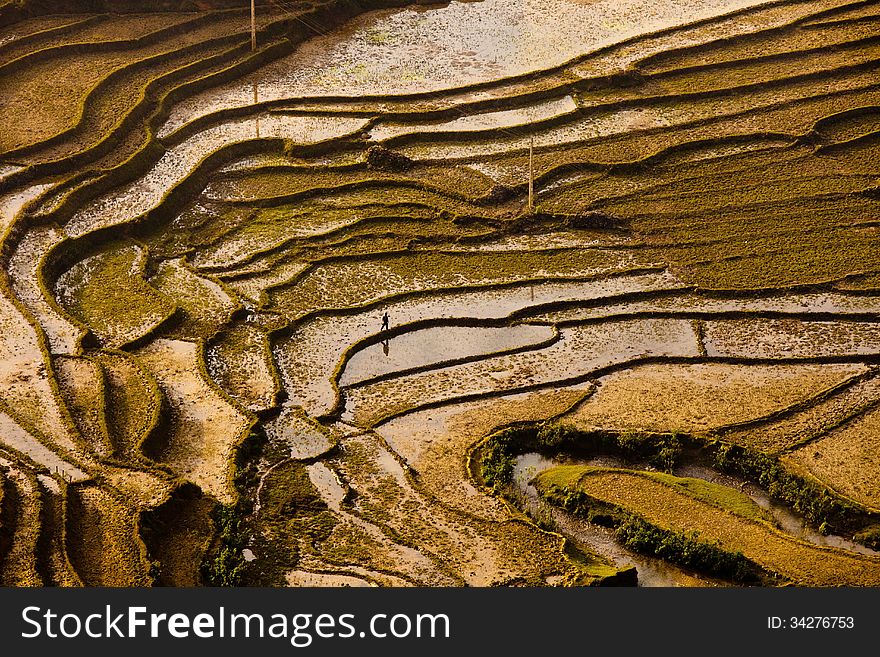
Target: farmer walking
[[385, 325]]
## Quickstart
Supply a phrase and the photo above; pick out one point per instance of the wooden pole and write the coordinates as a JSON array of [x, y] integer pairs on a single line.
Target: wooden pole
[[532, 174], [253, 24]]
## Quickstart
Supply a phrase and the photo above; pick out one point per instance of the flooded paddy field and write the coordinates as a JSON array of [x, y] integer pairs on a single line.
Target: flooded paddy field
[[494, 293]]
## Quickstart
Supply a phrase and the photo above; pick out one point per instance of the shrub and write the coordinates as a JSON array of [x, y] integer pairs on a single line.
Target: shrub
[[384, 159], [814, 502], [498, 460], [667, 457], [684, 549], [660, 450], [556, 436], [225, 566]]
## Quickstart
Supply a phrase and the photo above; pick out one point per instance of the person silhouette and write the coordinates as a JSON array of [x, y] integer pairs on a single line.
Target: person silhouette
[[385, 324]]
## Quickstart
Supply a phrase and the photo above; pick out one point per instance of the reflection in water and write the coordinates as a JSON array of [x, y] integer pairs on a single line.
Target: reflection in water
[[256, 101], [386, 324]]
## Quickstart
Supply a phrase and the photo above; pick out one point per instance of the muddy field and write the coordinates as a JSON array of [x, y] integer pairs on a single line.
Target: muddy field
[[293, 316]]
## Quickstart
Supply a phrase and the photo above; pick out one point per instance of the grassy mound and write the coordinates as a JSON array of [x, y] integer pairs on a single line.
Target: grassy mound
[[716, 515], [134, 402], [102, 539], [108, 293], [83, 388]]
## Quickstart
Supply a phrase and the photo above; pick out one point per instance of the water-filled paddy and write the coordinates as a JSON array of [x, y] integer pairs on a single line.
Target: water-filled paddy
[[193, 349], [416, 50]]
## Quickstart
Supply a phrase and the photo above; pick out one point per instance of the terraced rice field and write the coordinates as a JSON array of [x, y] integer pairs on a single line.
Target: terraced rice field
[[716, 517], [286, 316]]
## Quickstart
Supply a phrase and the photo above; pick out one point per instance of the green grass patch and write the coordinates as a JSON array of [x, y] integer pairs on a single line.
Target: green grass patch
[[204, 306], [108, 293]]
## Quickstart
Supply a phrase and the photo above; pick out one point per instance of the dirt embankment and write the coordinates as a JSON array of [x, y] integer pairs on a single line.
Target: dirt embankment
[[40, 7], [12, 11]]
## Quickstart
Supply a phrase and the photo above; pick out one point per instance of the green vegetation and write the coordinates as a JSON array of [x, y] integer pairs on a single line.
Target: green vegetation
[[815, 502], [661, 450], [226, 565], [673, 519], [686, 550], [683, 548], [161, 308], [498, 453], [498, 458], [108, 293]]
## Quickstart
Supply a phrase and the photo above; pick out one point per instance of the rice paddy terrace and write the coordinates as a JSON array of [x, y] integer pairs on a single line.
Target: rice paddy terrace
[[666, 371]]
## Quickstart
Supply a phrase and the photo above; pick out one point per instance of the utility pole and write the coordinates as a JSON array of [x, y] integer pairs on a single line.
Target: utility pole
[[532, 174], [253, 25]]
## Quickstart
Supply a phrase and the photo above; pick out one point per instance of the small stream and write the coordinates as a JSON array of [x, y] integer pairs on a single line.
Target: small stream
[[788, 520], [653, 571]]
